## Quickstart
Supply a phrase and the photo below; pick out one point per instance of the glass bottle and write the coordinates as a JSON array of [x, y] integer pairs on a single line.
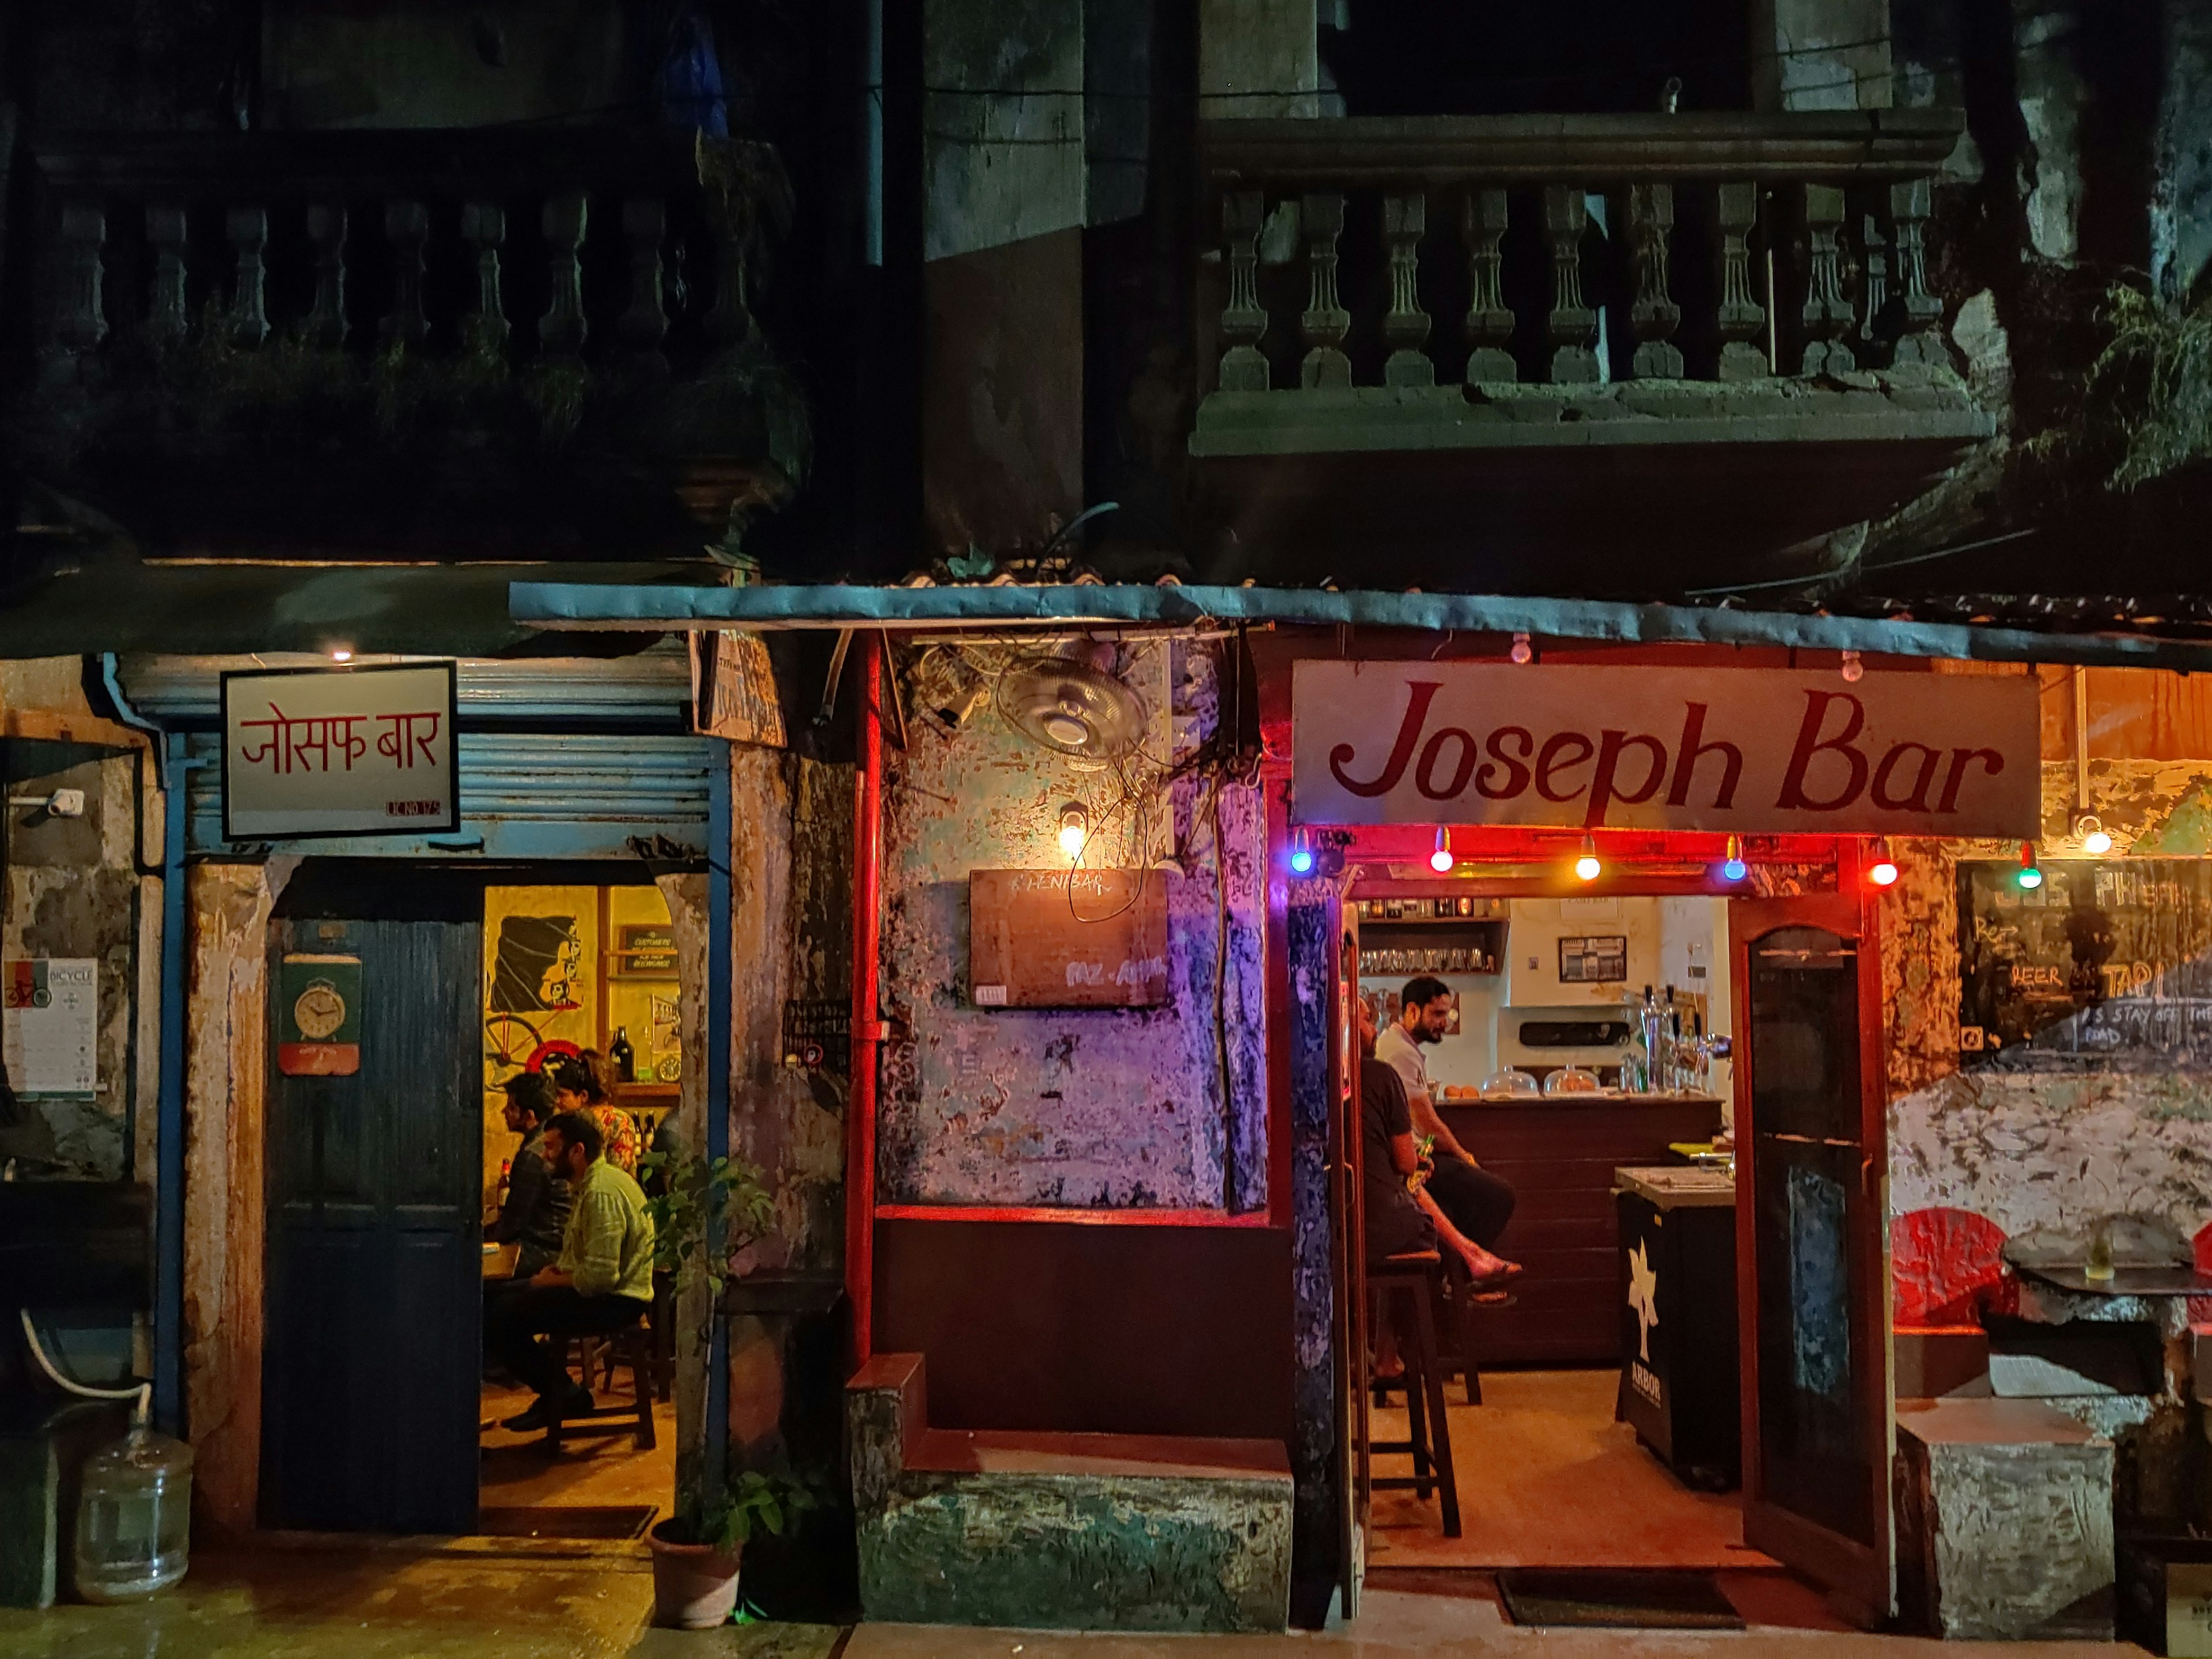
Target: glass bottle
[[134, 1516], [624, 1056]]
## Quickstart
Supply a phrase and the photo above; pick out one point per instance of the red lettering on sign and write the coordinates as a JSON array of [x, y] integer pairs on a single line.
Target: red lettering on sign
[[1914, 799], [1811, 743], [1422, 693], [1959, 760], [1605, 788], [1502, 777], [1553, 759], [1425, 775], [1695, 749]]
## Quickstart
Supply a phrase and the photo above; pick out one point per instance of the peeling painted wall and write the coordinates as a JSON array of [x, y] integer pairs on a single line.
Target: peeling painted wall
[[1121, 1109], [2031, 1149]]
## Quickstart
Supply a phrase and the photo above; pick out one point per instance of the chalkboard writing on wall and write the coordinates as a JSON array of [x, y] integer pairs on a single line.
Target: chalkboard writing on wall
[[2105, 967]]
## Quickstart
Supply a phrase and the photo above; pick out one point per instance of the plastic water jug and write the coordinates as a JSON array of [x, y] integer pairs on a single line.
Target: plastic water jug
[[134, 1517]]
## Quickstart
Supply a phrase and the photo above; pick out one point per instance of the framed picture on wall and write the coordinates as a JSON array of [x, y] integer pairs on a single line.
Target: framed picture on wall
[[643, 951]]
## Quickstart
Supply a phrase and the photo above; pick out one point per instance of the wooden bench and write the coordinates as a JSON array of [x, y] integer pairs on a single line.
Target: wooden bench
[[1060, 1531]]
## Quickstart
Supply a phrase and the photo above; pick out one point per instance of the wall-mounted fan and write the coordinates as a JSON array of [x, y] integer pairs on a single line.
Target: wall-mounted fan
[[1073, 705]]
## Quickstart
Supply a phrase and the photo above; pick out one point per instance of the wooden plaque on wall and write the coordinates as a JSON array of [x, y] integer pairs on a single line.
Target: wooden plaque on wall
[[1053, 939]]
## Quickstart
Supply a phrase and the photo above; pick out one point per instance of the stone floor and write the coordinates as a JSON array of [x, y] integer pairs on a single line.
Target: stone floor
[[584, 1601]]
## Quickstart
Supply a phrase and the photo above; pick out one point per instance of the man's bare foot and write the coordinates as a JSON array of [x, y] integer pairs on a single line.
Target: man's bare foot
[[1484, 1267]]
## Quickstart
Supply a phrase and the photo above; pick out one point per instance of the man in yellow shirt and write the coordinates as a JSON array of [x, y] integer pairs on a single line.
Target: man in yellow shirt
[[601, 1283]]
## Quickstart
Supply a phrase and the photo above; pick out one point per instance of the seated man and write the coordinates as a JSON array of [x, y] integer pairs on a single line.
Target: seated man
[[1478, 1202], [602, 1283], [1399, 1219], [535, 1213]]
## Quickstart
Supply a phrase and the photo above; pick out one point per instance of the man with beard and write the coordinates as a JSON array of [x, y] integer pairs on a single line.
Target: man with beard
[[1478, 1203]]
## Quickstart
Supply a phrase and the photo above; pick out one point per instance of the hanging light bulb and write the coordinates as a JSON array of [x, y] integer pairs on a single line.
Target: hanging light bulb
[[1588, 867], [2030, 874], [1074, 829], [2096, 840], [1522, 651], [1733, 868], [1440, 861], [1854, 670], [1881, 869], [1301, 855]]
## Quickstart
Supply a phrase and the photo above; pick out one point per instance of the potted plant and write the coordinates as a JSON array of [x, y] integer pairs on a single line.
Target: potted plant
[[696, 1552], [703, 1210]]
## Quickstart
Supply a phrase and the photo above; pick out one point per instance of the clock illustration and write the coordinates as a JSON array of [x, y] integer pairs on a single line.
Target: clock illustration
[[320, 1011]]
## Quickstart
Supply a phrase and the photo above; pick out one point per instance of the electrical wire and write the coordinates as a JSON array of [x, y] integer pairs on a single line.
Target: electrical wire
[[143, 1393]]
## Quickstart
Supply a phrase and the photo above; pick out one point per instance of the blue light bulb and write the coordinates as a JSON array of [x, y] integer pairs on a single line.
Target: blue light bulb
[[1301, 861], [1735, 870]]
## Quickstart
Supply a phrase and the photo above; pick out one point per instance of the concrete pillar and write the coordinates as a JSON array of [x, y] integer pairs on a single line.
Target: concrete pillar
[[1821, 54], [1259, 57]]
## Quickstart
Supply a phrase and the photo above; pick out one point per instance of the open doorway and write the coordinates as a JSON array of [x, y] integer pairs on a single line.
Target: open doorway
[[580, 989], [403, 1000], [1584, 1037]]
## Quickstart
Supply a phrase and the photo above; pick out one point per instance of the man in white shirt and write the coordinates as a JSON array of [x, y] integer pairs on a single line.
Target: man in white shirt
[[1478, 1202]]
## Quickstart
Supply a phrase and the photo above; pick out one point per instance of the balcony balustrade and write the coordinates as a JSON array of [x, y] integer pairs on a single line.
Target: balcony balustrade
[[570, 308], [1393, 283]]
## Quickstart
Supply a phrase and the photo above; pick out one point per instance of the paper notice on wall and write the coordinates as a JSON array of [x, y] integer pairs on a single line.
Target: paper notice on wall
[[49, 1025]]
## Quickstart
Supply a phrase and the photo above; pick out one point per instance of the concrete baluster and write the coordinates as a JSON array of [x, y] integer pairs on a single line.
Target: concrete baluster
[[1325, 322], [561, 331], [1653, 317], [407, 227], [484, 228], [1571, 325], [248, 230], [1921, 342], [1742, 318], [1406, 327], [79, 314], [1243, 319], [1826, 314], [645, 322], [325, 324], [164, 230], [1489, 323]]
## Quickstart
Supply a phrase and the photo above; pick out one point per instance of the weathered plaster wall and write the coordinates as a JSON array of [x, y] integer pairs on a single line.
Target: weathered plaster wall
[[2020, 1151], [73, 891], [226, 1072], [1821, 54], [1090, 1108]]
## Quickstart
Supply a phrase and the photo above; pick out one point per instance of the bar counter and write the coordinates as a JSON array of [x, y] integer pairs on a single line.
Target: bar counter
[[1560, 1152]]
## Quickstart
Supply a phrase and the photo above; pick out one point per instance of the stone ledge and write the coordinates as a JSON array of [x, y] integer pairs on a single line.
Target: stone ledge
[[1914, 404]]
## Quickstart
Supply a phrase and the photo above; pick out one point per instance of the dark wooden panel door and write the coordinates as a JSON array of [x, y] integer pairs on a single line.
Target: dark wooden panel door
[[1811, 1252], [371, 1364]]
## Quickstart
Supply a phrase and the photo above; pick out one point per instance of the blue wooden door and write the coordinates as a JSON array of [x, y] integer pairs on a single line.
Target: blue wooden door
[[371, 1366]]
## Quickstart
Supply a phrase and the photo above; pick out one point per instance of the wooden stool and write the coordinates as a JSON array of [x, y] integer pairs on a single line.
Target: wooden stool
[[1459, 1291], [1411, 1282], [598, 1352], [632, 1345]]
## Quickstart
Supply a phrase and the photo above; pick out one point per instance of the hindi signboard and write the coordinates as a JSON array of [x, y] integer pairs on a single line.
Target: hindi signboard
[[338, 751], [1762, 751]]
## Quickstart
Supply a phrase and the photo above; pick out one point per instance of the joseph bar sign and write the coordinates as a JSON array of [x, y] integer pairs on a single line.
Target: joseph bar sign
[[338, 751], [1761, 750]]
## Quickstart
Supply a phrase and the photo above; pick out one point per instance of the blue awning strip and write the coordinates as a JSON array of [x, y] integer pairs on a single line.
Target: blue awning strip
[[566, 604]]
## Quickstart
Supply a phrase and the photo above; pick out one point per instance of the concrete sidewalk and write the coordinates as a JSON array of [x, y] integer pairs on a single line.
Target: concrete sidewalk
[[593, 1601]]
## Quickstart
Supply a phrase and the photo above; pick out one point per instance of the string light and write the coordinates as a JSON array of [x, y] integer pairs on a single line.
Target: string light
[[1854, 670], [342, 653], [1733, 868], [1440, 861], [1587, 867], [1882, 871], [2030, 874], [1522, 651], [1301, 855], [2096, 840]]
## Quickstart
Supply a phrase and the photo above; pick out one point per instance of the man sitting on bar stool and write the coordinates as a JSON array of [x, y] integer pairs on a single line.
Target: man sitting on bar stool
[[1477, 1202], [601, 1284], [1400, 1219]]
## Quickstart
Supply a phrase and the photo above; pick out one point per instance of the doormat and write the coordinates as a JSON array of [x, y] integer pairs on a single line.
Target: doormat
[[566, 1521], [1637, 1601]]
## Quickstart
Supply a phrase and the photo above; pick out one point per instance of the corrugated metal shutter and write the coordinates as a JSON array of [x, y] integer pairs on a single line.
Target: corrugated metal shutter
[[523, 796]]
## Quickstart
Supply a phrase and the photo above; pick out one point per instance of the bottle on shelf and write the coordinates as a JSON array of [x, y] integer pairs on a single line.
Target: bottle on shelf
[[624, 1056]]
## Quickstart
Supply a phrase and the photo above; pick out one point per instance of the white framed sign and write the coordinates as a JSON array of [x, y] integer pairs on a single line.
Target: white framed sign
[[339, 751], [1754, 750], [51, 1026]]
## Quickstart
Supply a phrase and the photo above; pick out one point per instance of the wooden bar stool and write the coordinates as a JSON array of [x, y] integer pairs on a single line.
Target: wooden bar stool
[[1409, 1283], [631, 1345]]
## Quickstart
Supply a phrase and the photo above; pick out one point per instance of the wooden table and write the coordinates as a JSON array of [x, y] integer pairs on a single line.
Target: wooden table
[[499, 1261], [1560, 1152]]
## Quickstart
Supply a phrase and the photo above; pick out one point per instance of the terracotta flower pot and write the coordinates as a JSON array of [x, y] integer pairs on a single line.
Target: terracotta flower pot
[[695, 1586]]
